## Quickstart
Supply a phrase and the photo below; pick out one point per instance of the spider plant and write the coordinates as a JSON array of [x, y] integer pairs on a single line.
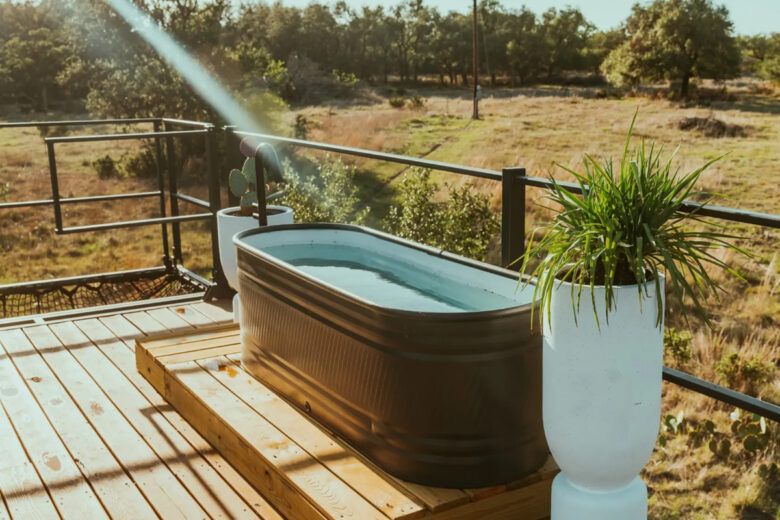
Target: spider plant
[[627, 227]]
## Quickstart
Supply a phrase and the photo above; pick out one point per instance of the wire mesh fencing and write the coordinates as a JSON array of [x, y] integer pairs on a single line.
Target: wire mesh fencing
[[53, 297]]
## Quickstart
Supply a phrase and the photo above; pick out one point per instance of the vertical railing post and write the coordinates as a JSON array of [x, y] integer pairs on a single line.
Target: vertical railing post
[[55, 188], [221, 288], [161, 187], [173, 188], [233, 158], [262, 210], [512, 215]]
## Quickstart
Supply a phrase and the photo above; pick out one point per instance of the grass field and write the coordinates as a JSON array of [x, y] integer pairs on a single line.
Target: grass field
[[533, 128]]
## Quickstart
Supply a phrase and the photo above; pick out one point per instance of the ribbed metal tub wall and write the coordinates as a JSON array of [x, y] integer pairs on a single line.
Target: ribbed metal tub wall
[[442, 399]]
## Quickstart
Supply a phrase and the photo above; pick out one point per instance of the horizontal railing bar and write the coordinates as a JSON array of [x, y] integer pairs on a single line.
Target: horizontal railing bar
[[133, 223], [733, 214], [25, 204], [80, 122], [193, 200], [185, 122], [704, 210], [721, 393], [77, 200], [119, 137], [85, 278], [380, 156], [117, 196]]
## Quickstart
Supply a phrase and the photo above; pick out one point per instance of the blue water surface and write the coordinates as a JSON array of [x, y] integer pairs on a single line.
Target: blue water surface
[[388, 281]]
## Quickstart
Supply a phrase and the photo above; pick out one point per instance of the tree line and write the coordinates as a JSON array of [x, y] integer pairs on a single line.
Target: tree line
[[81, 49]]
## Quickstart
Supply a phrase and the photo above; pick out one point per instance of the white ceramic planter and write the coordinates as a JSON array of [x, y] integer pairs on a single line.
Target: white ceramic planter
[[601, 402], [229, 223]]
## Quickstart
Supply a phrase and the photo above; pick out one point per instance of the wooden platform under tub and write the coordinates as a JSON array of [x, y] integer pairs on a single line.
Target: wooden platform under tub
[[302, 469]]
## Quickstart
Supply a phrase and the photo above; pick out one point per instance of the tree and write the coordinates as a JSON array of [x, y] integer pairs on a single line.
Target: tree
[[451, 45], [33, 50], [565, 34], [599, 45], [761, 55], [524, 49], [493, 37], [675, 40]]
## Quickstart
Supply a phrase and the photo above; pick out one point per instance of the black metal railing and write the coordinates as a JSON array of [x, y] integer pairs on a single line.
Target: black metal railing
[[163, 129], [513, 191], [514, 182]]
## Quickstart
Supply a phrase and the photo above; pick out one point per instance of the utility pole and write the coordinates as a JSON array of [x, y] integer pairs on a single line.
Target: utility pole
[[475, 61]]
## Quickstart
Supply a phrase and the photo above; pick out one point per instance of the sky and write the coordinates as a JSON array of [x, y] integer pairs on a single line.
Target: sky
[[749, 16]]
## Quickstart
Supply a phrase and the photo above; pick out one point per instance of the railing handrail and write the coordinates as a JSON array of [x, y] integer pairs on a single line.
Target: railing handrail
[[379, 156], [702, 209], [79, 122], [121, 137]]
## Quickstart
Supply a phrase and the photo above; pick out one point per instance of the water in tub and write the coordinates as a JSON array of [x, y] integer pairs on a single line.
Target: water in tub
[[387, 280]]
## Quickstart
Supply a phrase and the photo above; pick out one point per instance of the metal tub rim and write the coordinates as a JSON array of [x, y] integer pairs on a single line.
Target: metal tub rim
[[521, 308]]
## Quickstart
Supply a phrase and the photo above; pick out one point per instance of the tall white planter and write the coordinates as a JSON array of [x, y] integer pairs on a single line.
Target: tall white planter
[[230, 223], [601, 401]]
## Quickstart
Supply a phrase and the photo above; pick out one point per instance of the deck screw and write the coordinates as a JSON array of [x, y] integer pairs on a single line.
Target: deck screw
[[307, 406]]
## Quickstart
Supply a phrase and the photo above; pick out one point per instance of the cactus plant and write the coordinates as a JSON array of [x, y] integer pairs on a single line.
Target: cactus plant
[[243, 182]]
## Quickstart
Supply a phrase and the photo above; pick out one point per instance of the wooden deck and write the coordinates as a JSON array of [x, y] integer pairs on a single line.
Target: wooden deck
[[303, 469], [84, 435]]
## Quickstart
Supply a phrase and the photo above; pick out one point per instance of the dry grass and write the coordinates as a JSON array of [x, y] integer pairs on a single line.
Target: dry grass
[[29, 246]]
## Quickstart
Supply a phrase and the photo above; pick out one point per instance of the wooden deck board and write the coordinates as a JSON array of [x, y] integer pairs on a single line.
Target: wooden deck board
[[196, 476], [369, 483], [20, 486], [217, 313], [72, 495], [160, 486], [114, 487], [263, 434], [73, 413], [121, 354]]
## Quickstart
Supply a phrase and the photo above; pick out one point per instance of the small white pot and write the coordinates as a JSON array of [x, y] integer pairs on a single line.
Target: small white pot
[[601, 401], [229, 223]]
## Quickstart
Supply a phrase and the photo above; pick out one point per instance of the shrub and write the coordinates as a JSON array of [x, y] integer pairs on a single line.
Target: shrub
[[750, 373], [749, 431], [416, 217], [330, 197], [105, 167], [397, 102], [347, 79], [417, 102], [678, 345], [278, 79], [463, 224], [301, 127], [142, 164]]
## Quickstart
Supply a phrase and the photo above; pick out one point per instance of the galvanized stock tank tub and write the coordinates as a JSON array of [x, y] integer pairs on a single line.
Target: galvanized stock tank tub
[[422, 360]]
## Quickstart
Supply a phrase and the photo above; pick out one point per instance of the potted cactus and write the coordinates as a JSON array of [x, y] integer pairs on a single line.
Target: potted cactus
[[230, 221], [613, 250]]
